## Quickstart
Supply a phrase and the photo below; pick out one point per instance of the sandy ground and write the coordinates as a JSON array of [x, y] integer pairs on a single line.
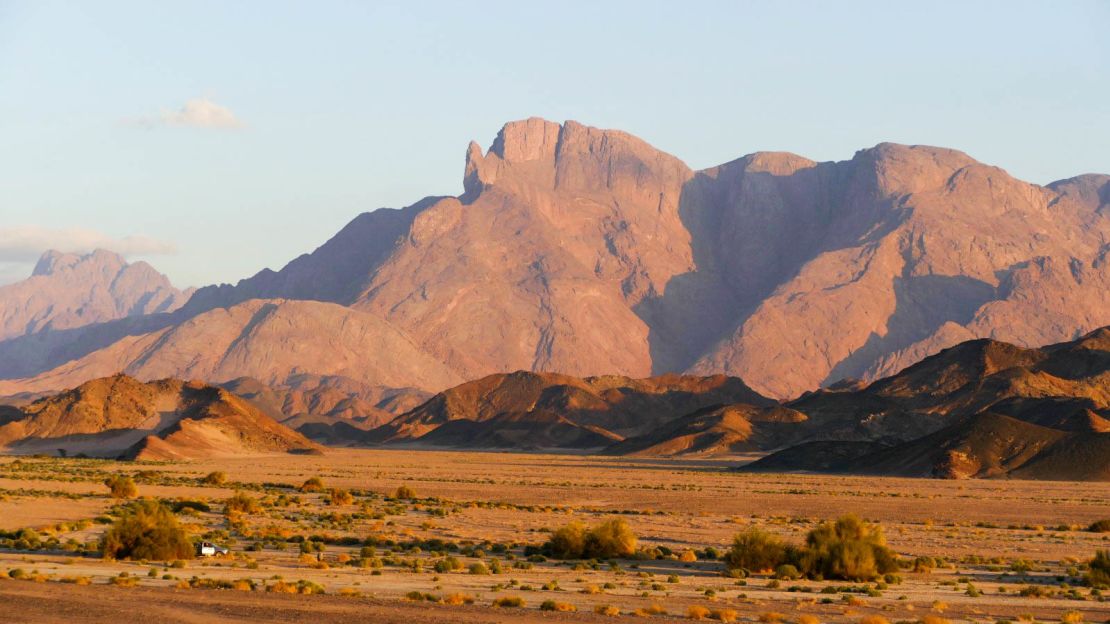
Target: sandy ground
[[514, 499], [42, 603]]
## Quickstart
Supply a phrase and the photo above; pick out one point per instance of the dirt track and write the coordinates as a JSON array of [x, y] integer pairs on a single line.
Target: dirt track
[[43, 603]]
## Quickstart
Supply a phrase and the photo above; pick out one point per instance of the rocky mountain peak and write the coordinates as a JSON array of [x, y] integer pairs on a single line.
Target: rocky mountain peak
[[68, 290], [526, 140], [53, 261]]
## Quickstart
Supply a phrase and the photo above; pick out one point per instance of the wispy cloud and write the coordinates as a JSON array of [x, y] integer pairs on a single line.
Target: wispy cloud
[[25, 243], [196, 113]]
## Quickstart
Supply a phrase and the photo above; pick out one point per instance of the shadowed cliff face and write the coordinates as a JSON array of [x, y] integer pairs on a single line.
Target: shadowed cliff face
[[904, 251], [585, 252]]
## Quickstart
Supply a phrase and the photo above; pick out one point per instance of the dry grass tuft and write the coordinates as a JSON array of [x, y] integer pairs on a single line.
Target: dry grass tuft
[[697, 612]]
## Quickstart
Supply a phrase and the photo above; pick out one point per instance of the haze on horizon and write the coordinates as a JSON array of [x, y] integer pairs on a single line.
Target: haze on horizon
[[215, 140]]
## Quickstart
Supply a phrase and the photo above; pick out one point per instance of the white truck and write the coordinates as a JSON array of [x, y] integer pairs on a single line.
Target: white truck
[[208, 549]]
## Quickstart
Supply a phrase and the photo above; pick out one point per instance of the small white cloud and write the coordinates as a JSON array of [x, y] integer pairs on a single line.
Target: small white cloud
[[25, 243], [196, 113]]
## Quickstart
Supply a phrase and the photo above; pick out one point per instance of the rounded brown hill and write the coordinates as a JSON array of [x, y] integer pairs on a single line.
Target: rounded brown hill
[[541, 409], [723, 430], [162, 419]]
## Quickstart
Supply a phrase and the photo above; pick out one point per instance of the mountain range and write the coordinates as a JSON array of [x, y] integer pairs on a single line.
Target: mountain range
[[980, 409], [585, 252]]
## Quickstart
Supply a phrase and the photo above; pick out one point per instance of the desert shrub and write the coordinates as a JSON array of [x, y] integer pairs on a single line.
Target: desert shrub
[[688, 556], [1100, 526], [478, 568], [1098, 570], [808, 619], [146, 530], [551, 605], [607, 610], [340, 497], [1035, 591], [787, 572], [215, 478], [448, 564], [697, 612], [312, 484], [612, 538], [123, 580], [723, 615], [849, 549], [608, 540], [121, 486], [241, 503], [924, 564], [509, 601], [567, 542], [755, 550], [1071, 617], [458, 599], [282, 587], [182, 505], [309, 587], [404, 493]]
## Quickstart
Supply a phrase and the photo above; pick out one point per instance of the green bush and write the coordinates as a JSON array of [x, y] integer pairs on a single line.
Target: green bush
[[1100, 526], [787, 572], [1098, 570], [312, 484], [339, 496], [567, 542], [448, 564], [756, 550], [608, 540], [146, 530], [848, 549], [215, 478], [121, 486], [182, 505], [241, 503]]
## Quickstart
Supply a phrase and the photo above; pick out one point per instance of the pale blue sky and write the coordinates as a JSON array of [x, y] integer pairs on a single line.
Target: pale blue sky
[[349, 106]]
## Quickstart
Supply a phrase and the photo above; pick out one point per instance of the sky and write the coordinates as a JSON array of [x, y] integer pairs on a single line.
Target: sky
[[214, 139]]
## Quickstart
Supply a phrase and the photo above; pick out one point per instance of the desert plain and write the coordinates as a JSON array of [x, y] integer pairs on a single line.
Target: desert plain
[[1000, 550]]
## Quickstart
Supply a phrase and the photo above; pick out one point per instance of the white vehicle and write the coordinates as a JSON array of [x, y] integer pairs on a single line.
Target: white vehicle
[[208, 549]]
